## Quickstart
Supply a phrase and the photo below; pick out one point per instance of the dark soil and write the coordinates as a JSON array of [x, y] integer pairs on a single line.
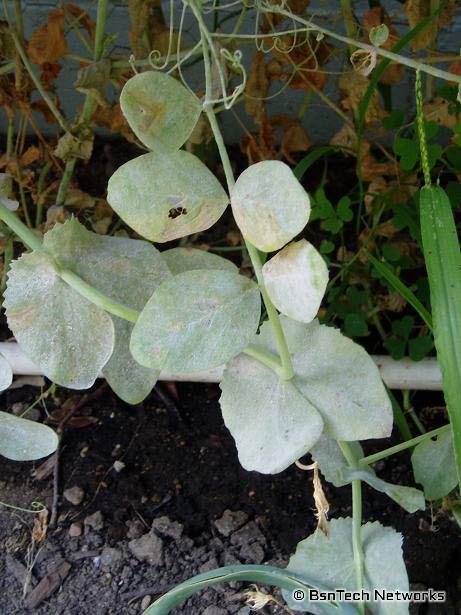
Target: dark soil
[[180, 465]]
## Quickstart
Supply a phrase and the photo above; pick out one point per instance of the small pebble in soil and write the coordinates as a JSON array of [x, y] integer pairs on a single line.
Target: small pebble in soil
[[167, 528], [118, 465], [230, 522], [145, 602], [214, 610], [148, 548], [75, 530], [74, 495], [94, 521], [110, 558]]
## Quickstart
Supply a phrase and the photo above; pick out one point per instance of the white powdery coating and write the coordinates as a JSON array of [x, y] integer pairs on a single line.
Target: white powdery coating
[[180, 260], [127, 271], [161, 111], [269, 204], [338, 377], [24, 440], [6, 373], [68, 337], [330, 562], [197, 320], [272, 424], [166, 196], [296, 279], [434, 466]]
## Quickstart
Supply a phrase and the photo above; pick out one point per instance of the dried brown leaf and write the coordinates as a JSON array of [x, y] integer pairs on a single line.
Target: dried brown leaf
[[257, 88], [48, 43]]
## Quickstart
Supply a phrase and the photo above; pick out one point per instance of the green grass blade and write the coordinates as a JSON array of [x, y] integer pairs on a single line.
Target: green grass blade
[[401, 288], [443, 264], [304, 164], [256, 574]]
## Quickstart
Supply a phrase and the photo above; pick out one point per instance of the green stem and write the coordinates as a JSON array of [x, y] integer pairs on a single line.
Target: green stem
[[10, 138], [310, 26], [366, 461], [7, 258], [287, 368], [88, 106], [40, 187], [359, 558], [349, 21], [97, 297], [38, 84], [265, 357], [20, 229], [65, 181]]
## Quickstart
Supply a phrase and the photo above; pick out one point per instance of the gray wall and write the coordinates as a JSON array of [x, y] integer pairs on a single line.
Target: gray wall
[[320, 121]]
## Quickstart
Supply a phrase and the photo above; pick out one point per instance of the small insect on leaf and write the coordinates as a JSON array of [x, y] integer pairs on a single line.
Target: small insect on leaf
[[166, 196], [160, 110]]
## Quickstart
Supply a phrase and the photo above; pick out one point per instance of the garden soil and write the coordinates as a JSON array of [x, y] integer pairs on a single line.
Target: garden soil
[[150, 495]]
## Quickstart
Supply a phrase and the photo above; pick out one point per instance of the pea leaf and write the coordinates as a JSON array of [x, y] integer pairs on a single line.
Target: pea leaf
[[296, 279], [163, 197], [330, 561], [196, 320], [24, 440], [63, 333], [128, 271], [336, 470], [269, 204], [161, 111], [330, 371], [6, 373], [434, 466], [188, 259], [271, 422]]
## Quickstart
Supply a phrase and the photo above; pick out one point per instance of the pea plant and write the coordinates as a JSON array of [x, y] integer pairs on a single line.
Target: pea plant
[[81, 304]]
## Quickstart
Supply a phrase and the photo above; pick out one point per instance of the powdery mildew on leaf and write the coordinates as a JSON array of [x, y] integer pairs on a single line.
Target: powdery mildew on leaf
[[296, 279], [336, 470], [126, 270], [197, 320], [180, 260], [338, 377], [63, 333], [434, 466], [330, 561], [161, 111], [272, 424], [269, 204], [6, 373], [164, 197], [24, 440]]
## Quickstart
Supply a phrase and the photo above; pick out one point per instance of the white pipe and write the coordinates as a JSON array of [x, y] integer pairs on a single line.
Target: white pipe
[[404, 374]]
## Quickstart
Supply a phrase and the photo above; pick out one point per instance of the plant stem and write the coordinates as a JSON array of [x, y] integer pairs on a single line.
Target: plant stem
[[366, 461], [287, 367], [310, 26], [65, 181], [349, 21], [88, 106], [97, 297], [359, 558], [27, 236], [265, 357], [38, 84]]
